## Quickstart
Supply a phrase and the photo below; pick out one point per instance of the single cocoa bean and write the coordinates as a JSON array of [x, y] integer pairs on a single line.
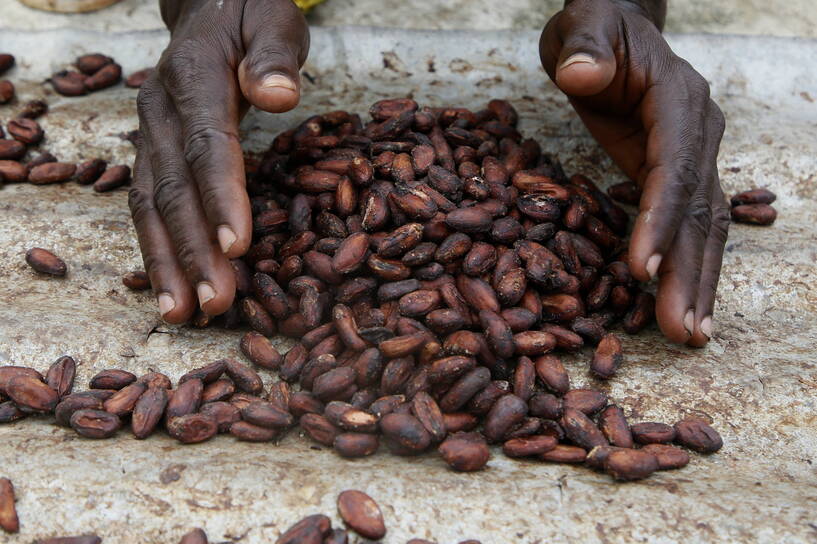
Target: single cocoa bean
[[45, 262], [95, 423], [465, 452]]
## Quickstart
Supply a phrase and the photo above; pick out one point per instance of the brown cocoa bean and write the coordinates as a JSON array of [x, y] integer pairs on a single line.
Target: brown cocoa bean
[[506, 412], [546, 406], [6, 91], [148, 411], [192, 428], [155, 379], [267, 415], [105, 77], [428, 412], [31, 394], [465, 452], [84, 539], [753, 214], [245, 378], [353, 445], [95, 423], [533, 343], [614, 426], [628, 464], [9, 412], [220, 390], [564, 454], [89, 171], [587, 401], [11, 149], [652, 433], [320, 429], [697, 435], [51, 172], [71, 403], [69, 83], [138, 78], [112, 178], [529, 446], [360, 513], [753, 196], [224, 414], [310, 530], [185, 399], [260, 351], [641, 314], [333, 384], [123, 401], [607, 357], [13, 171], [27, 131], [60, 376], [136, 280], [581, 430], [406, 432], [45, 262], [9, 521], [668, 457]]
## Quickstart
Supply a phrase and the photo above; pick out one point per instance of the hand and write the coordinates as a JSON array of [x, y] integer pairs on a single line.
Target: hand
[[651, 111], [189, 202]]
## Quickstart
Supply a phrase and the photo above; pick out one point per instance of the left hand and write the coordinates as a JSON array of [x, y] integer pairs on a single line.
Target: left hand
[[651, 111]]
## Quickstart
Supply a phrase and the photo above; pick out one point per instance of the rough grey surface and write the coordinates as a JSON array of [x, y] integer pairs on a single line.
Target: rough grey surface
[[756, 381], [756, 17]]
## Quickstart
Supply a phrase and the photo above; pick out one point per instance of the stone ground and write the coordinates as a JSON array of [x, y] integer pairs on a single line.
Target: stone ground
[[756, 17]]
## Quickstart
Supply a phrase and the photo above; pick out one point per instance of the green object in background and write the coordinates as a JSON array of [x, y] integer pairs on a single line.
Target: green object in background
[[307, 5]]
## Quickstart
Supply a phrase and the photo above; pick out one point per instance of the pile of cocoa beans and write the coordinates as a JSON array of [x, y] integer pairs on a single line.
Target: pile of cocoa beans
[[97, 71]]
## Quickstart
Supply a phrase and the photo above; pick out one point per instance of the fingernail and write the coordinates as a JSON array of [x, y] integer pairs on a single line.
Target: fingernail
[[652, 265], [206, 293], [166, 303], [577, 58], [277, 80], [706, 326], [226, 238], [689, 321]]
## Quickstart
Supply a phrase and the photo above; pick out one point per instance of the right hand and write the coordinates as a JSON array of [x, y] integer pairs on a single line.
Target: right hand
[[189, 202]]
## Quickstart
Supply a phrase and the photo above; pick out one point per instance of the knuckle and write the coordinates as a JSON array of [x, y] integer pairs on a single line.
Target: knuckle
[[178, 66], [717, 119], [699, 215], [147, 96], [139, 202], [167, 189], [202, 138]]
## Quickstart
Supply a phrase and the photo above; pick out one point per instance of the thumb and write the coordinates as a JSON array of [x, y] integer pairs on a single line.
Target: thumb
[[586, 63], [276, 40]]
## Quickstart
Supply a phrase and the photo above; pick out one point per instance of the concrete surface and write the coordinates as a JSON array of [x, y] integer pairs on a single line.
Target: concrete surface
[[757, 380], [755, 17]]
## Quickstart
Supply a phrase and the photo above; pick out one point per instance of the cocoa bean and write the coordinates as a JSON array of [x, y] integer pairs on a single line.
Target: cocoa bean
[[224, 414], [406, 432], [51, 172], [89, 171], [30, 394], [123, 401], [607, 357], [587, 401], [207, 374], [220, 390], [614, 426], [45, 262], [185, 399], [465, 452], [9, 521], [192, 428], [753, 196], [310, 530], [11, 149], [71, 403], [668, 457], [564, 454], [6, 91], [752, 214], [260, 351], [546, 406], [112, 178], [27, 131], [628, 464], [528, 447], [267, 415], [69, 83], [84, 539], [13, 171], [353, 445], [652, 433], [245, 378], [581, 430], [136, 280], [506, 412], [360, 513], [148, 411], [697, 435], [95, 423], [138, 78], [196, 536], [60, 376], [9, 412], [105, 77]]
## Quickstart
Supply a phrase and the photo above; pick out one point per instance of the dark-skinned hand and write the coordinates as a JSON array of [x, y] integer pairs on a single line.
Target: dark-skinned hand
[[189, 202], [651, 111]]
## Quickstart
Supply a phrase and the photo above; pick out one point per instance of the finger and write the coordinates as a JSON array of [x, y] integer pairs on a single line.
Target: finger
[[205, 95], [577, 47], [178, 203], [716, 240], [673, 112], [276, 37], [680, 272], [175, 297]]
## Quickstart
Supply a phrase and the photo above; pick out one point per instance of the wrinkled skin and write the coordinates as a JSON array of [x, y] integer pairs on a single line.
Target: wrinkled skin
[[651, 111], [189, 202], [647, 107]]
